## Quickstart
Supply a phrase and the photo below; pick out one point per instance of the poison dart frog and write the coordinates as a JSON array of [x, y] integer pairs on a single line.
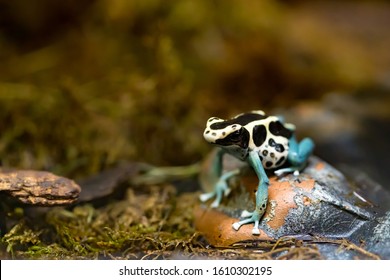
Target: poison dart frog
[[265, 143]]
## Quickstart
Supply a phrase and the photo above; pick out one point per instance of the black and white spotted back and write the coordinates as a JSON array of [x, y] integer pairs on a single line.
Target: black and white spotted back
[[253, 131]]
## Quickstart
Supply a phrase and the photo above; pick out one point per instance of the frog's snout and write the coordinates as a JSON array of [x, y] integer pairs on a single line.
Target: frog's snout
[[209, 135]]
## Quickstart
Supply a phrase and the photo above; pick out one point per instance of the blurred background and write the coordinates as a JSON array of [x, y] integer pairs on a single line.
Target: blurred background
[[86, 84]]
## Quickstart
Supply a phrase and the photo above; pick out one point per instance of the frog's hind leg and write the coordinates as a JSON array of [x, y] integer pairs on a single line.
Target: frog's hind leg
[[298, 155]]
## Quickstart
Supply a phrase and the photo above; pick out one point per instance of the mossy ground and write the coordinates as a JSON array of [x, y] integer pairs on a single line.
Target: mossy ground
[[153, 224]]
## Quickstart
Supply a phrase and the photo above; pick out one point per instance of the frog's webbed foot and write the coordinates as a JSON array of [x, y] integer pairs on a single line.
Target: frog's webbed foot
[[255, 216], [251, 217], [206, 196], [221, 189], [295, 170]]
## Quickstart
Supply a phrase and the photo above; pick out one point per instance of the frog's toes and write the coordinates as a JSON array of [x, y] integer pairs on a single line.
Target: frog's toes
[[283, 171], [226, 192], [280, 172], [246, 214], [255, 231], [215, 204], [236, 226], [206, 196]]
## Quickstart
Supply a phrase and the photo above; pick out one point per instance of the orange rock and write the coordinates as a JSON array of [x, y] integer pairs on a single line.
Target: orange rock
[[283, 195], [318, 203], [216, 227]]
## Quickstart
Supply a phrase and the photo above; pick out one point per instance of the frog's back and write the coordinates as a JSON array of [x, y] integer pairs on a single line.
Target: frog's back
[[270, 138], [251, 131]]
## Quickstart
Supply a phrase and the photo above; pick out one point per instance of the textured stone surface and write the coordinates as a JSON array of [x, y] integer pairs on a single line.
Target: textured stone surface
[[38, 187], [319, 203]]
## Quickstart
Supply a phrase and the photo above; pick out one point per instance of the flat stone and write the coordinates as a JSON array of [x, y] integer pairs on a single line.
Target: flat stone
[[39, 188]]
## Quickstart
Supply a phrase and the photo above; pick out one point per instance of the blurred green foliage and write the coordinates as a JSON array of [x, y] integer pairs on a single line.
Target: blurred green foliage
[[84, 84]]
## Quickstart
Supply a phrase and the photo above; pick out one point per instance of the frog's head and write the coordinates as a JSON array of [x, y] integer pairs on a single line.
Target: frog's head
[[229, 135]]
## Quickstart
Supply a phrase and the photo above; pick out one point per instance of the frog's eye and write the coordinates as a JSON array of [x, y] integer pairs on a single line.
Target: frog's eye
[[235, 136]]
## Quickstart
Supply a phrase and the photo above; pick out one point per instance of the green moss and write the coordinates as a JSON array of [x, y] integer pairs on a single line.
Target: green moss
[[155, 220], [137, 80], [21, 237]]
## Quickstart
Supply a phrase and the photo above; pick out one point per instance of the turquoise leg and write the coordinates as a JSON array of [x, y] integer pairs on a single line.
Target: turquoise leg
[[216, 164], [261, 195], [221, 188], [298, 155]]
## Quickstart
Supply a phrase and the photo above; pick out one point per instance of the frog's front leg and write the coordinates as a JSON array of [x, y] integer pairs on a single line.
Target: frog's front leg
[[221, 187], [261, 195], [298, 155]]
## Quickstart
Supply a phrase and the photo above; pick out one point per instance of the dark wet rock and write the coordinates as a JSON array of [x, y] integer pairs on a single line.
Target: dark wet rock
[[116, 180], [108, 182], [351, 130]]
